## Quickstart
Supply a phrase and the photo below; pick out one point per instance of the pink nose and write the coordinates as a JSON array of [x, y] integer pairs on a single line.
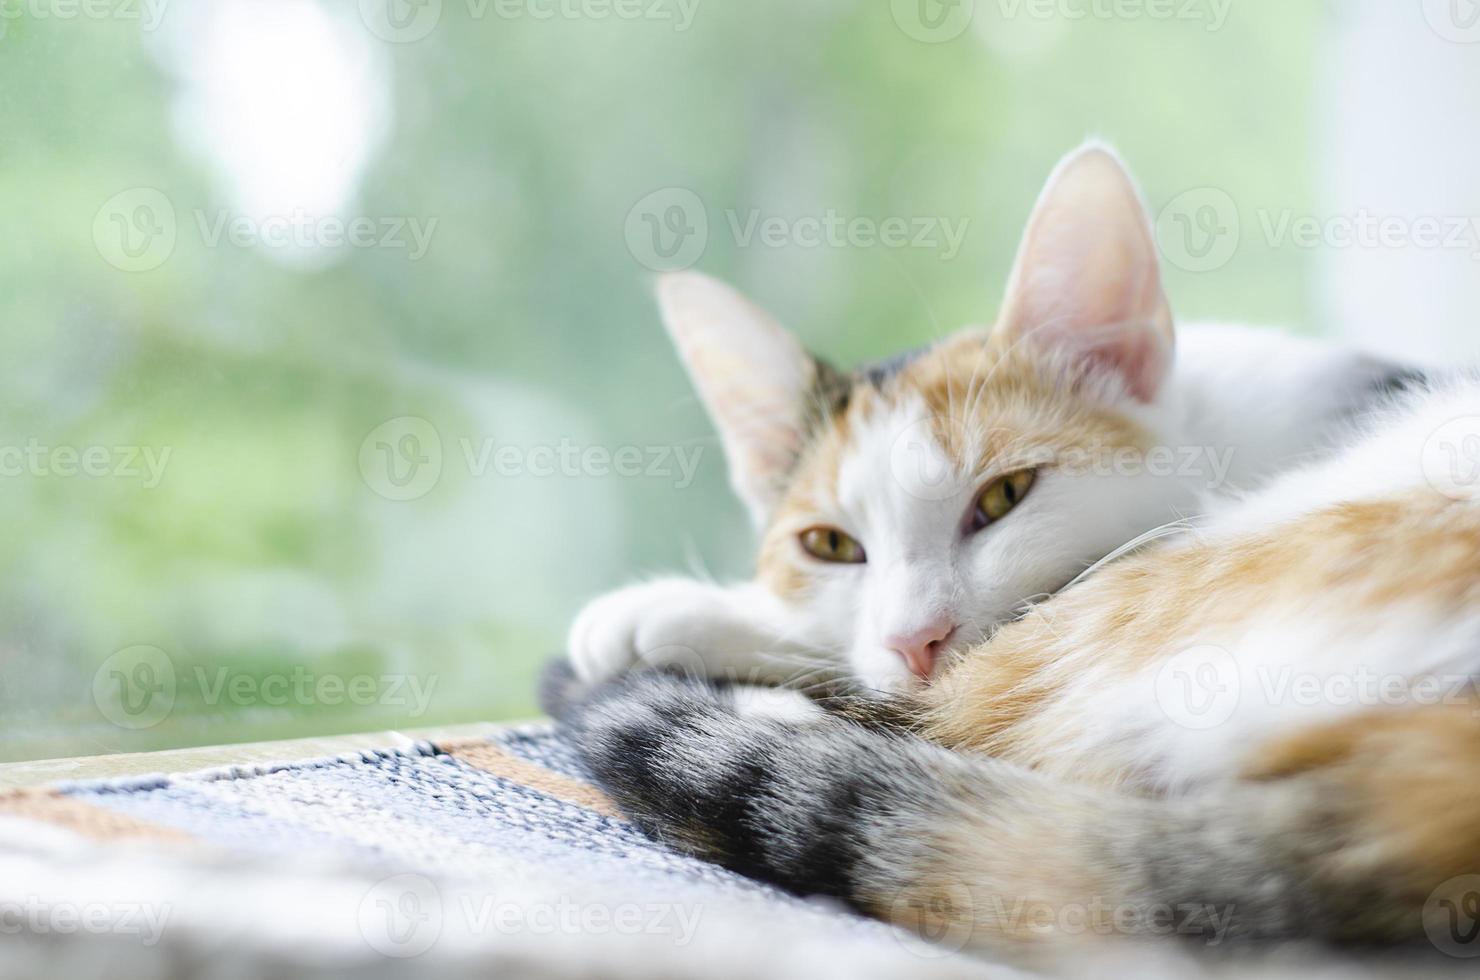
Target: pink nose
[[920, 648]]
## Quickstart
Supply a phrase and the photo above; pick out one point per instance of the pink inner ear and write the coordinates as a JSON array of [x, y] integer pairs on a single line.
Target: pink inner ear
[[1086, 288], [1137, 354], [1107, 320]]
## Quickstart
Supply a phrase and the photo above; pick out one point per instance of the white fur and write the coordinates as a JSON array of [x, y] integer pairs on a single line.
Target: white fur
[[1295, 661]]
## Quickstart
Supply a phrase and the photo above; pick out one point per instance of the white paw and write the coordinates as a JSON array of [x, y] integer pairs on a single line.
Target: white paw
[[665, 623]]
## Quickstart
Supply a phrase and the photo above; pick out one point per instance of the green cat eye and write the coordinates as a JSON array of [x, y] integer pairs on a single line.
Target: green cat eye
[[830, 544], [1001, 496]]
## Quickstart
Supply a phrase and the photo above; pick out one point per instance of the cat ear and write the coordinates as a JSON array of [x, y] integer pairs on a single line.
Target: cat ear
[[1086, 286], [752, 375]]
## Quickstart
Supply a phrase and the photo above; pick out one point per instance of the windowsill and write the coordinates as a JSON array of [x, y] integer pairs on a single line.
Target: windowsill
[[15, 775]]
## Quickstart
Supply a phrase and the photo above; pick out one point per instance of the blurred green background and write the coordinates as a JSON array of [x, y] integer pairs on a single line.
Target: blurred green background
[[329, 525]]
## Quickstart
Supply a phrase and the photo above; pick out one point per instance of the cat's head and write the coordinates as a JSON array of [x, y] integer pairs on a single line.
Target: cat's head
[[905, 509]]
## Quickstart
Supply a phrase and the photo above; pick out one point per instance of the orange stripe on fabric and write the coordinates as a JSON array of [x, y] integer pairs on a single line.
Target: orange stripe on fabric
[[45, 806], [492, 759]]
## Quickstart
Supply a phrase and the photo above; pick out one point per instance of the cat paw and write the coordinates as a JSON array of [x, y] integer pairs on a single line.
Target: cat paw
[[661, 624]]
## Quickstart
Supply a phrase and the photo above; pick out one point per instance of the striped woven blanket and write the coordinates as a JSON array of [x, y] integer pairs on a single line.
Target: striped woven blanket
[[477, 857], [488, 856]]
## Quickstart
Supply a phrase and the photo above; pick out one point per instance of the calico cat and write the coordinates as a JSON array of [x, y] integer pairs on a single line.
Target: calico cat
[[1264, 726], [881, 494]]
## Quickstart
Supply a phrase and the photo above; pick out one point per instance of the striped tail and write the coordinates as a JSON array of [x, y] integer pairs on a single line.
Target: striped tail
[[975, 851]]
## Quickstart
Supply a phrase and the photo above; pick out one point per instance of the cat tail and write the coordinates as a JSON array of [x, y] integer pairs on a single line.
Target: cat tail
[[970, 850], [561, 690]]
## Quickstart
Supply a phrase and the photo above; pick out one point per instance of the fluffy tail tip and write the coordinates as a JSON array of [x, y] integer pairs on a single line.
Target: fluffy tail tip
[[560, 690]]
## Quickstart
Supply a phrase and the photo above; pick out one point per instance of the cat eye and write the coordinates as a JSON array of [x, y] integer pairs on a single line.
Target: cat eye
[[830, 544], [1001, 496]]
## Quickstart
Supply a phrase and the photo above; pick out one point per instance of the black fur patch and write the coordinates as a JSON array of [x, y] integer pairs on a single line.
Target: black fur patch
[[881, 371], [1402, 381], [793, 803]]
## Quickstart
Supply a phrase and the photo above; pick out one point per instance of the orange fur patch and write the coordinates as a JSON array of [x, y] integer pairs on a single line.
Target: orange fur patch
[[1000, 697], [993, 409]]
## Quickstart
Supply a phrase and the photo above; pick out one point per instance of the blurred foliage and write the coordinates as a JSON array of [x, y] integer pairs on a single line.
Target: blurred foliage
[[263, 549]]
